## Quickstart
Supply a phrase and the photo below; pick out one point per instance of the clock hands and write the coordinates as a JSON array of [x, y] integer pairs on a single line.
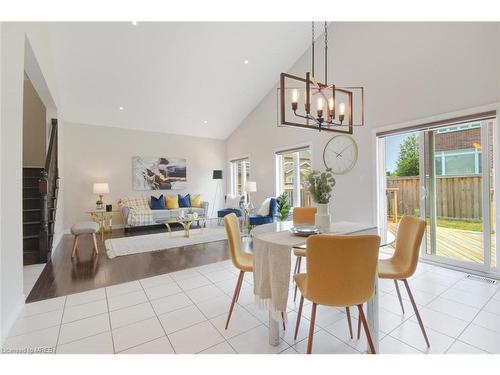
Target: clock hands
[[339, 154]]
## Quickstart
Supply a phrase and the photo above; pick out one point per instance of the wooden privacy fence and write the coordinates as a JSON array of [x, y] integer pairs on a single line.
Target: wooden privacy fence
[[457, 197]]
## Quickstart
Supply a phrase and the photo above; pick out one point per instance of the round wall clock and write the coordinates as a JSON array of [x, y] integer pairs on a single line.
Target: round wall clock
[[340, 154]]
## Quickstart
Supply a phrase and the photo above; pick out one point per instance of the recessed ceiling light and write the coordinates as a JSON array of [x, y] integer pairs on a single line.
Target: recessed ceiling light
[[134, 23], [205, 122], [120, 108], [245, 62]]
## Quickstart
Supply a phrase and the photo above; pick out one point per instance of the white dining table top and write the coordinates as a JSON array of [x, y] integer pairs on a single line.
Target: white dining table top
[[339, 227]]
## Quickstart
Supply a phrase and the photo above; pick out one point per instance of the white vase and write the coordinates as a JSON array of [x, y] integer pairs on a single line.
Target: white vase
[[322, 218]]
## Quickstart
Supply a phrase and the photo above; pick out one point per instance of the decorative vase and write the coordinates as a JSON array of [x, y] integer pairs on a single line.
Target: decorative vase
[[322, 217]]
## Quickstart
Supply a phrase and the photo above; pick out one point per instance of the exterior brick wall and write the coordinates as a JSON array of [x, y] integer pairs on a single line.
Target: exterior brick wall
[[458, 140]]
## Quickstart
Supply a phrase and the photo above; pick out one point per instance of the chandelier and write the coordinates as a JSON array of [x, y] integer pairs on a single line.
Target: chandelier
[[325, 106]]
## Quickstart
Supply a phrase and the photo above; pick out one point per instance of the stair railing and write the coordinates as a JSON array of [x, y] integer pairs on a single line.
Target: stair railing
[[48, 191]]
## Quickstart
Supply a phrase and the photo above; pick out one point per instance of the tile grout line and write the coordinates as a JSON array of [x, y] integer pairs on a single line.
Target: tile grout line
[[240, 306], [455, 339], [472, 322], [86, 337], [206, 317], [157, 318], [408, 319], [60, 325], [126, 307], [438, 296], [109, 321]]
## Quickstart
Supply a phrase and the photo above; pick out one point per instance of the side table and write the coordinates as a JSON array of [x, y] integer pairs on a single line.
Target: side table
[[104, 219]]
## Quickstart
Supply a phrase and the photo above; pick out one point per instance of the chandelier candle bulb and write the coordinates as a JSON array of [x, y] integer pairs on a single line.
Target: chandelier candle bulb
[[341, 112], [295, 99], [320, 107], [331, 109]]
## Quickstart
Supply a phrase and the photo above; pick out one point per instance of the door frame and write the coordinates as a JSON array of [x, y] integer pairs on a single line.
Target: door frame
[[380, 181]]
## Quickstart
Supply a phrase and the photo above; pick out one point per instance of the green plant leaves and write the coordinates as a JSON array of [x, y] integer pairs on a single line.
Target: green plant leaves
[[283, 207], [320, 185]]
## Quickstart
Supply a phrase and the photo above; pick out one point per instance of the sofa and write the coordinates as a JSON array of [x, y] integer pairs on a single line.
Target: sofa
[[137, 212]]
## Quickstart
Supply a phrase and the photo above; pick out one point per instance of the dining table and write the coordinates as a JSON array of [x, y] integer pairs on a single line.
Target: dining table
[[272, 246]]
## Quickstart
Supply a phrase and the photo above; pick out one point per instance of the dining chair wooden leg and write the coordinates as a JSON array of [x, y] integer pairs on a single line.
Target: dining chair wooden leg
[[299, 315], [296, 265], [359, 325], [417, 314], [236, 290], [362, 319], [75, 243], [311, 329], [283, 320], [95, 244], [399, 295], [348, 312], [240, 285]]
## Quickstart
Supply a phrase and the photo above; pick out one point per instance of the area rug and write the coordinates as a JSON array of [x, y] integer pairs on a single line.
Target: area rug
[[116, 247]]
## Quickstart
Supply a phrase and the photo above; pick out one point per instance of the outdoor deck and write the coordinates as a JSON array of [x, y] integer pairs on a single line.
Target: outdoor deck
[[458, 244]]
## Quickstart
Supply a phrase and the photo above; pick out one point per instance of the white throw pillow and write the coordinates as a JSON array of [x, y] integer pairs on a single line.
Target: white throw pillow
[[264, 207], [233, 201]]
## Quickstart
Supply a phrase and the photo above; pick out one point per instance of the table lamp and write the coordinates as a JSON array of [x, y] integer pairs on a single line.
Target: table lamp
[[100, 188], [250, 187]]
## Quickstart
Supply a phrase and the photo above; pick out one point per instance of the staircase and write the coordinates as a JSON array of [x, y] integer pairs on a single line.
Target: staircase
[[40, 188]]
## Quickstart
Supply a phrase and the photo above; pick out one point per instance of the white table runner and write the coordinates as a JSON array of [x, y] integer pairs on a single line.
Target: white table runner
[[271, 270]]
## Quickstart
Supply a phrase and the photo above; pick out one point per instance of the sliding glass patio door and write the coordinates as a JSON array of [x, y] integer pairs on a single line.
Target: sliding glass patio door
[[445, 175], [457, 177]]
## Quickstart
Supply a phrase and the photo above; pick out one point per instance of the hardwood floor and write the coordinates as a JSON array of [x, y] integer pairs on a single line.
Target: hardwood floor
[[63, 275]]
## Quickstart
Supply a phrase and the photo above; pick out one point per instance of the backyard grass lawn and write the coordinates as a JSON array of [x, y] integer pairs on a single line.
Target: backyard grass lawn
[[475, 226]]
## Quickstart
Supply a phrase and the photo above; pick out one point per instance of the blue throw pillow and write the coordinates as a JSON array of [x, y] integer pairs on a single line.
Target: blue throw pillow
[[158, 203], [184, 201]]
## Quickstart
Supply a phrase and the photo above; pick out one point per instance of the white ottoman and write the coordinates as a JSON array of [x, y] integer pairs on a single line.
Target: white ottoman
[[84, 227]]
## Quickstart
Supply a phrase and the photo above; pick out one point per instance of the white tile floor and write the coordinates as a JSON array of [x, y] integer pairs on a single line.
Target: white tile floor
[[30, 276], [185, 312]]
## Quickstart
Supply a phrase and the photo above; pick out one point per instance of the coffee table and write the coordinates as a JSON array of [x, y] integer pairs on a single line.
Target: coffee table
[[185, 222]]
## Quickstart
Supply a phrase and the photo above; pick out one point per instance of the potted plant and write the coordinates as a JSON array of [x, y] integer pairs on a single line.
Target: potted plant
[[320, 186], [283, 207]]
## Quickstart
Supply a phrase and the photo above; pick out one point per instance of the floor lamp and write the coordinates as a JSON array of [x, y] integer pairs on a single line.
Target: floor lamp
[[217, 175]]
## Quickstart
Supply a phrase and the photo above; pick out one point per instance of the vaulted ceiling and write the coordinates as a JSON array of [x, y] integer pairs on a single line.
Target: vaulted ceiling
[[198, 79]]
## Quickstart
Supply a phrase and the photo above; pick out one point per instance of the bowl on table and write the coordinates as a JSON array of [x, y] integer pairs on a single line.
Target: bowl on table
[[305, 230]]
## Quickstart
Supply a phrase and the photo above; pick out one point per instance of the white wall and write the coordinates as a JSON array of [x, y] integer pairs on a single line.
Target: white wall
[[13, 36], [409, 71], [104, 154]]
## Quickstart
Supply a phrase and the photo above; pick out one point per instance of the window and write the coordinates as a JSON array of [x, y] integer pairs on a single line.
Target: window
[[292, 168], [240, 173], [456, 163]]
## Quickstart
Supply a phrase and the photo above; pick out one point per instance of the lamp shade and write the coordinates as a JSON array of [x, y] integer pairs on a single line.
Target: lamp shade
[[217, 174], [101, 188], [251, 186]]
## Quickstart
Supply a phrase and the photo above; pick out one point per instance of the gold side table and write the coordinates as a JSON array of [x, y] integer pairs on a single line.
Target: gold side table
[[104, 219]]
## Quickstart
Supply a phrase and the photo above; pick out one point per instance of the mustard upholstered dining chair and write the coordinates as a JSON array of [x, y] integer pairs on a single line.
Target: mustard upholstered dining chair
[[240, 259], [341, 271], [301, 216], [403, 263]]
